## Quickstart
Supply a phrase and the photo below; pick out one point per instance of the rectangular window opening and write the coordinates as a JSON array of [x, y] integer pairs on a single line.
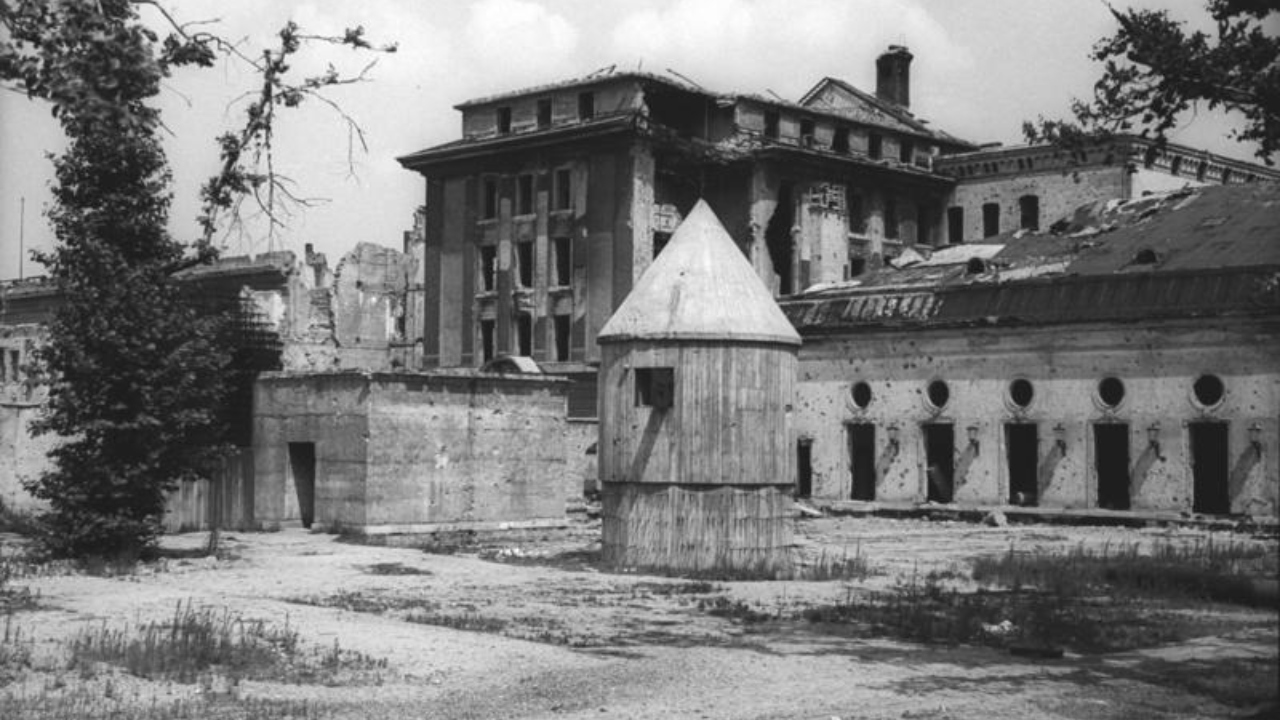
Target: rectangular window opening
[[1029, 209], [655, 387], [891, 219], [563, 189], [504, 120], [524, 261], [806, 133], [544, 113], [857, 218], [563, 252], [660, 240], [561, 330], [524, 334], [771, 124], [586, 105], [955, 225], [875, 146], [840, 141], [490, 198], [922, 225], [804, 467], [488, 267], [990, 220], [486, 340], [906, 150], [524, 195]]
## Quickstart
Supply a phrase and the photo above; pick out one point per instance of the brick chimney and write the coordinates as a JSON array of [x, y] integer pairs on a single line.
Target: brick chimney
[[893, 75]]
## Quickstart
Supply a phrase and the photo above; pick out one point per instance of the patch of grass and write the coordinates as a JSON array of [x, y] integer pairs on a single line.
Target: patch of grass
[[1219, 571], [198, 642], [357, 601], [844, 566], [394, 568], [692, 587], [89, 703], [721, 606]]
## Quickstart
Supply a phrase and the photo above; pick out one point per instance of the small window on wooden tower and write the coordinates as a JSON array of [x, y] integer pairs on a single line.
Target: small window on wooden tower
[[655, 387]]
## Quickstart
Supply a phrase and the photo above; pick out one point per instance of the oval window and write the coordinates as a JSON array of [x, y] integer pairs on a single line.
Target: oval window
[[1208, 390], [1111, 391], [861, 394], [939, 393], [1021, 392]]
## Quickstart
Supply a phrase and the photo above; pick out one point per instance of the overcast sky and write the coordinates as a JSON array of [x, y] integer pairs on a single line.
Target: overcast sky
[[981, 67]]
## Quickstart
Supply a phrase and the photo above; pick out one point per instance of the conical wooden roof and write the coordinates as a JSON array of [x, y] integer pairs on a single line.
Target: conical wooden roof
[[700, 287]]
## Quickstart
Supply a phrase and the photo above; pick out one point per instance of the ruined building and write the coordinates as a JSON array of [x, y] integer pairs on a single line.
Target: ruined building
[[554, 201], [1126, 361]]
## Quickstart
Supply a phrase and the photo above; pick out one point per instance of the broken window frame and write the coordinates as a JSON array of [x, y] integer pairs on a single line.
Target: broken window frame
[[561, 330], [525, 252], [891, 220], [543, 116], [562, 189], [562, 261], [487, 269], [524, 194], [489, 198], [772, 124]]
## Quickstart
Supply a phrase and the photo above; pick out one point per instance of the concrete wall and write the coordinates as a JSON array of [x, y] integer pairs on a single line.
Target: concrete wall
[[22, 456], [1158, 365], [412, 452]]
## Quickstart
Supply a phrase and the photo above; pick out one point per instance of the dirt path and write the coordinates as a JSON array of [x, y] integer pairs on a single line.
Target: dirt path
[[539, 635]]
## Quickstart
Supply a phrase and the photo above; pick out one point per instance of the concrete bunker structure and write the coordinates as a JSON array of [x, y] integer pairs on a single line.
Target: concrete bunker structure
[[405, 453], [696, 380]]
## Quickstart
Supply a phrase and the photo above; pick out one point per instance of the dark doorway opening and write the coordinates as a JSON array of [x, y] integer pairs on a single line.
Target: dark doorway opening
[[1210, 468], [1111, 462], [862, 460], [777, 236], [1022, 445], [804, 468], [940, 455], [302, 468]]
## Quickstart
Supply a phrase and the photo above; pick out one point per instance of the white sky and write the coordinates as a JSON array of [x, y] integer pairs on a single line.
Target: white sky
[[981, 67]]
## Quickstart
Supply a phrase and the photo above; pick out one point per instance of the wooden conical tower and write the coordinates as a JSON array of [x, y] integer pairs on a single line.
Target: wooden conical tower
[[698, 369]]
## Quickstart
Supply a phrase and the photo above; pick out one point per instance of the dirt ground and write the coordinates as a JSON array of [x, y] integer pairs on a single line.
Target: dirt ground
[[532, 629]]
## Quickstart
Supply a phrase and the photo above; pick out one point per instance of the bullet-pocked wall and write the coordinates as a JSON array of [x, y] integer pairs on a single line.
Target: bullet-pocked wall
[[1158, 416], [403, 453]]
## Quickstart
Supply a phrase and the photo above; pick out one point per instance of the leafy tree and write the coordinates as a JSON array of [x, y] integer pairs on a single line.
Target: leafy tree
[[138, 372], [1155, 71]]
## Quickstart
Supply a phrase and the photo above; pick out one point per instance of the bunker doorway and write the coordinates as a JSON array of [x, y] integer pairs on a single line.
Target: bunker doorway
[[862, 460], [302, 469], [1210, 468], [804, 468], [1022, 446], [940, 457], [1111, 464]]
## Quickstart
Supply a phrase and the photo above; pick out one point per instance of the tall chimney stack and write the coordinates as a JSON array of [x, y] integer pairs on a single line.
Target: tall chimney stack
[[893, 75]]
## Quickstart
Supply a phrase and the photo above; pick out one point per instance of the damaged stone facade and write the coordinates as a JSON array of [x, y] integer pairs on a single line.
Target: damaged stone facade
[[315, 319], [1126, 362], [557, 198]]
